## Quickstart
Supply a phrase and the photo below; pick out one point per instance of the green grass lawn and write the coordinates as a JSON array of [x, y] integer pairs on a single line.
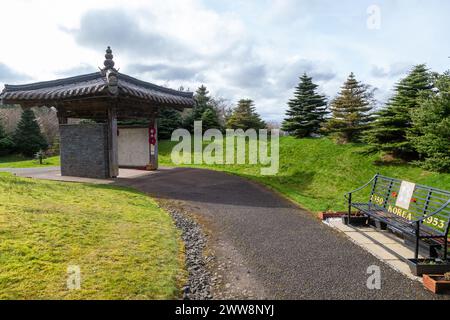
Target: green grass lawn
[[316, 173], [17, 161], [125, 245]]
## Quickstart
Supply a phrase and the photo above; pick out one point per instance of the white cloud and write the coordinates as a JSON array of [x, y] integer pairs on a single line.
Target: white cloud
[[253, 49]]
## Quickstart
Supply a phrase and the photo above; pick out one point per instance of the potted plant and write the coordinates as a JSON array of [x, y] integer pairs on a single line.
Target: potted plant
[[420, 267], [437, 283]]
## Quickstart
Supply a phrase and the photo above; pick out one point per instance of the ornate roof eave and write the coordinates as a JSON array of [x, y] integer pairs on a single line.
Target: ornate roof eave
[[108, 83]]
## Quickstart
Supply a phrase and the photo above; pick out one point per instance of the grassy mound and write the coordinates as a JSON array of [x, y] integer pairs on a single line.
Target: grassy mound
[[316, 173], [125, 246]]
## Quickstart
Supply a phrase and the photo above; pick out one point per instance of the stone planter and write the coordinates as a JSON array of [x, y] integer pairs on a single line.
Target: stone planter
[[330, 215], [436, 283], [420, 267]]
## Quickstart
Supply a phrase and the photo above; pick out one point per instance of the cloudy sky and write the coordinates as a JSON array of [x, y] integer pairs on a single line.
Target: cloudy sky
[[237, 48]]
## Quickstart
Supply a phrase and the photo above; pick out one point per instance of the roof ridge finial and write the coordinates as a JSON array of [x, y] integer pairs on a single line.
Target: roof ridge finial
[[109, 63]]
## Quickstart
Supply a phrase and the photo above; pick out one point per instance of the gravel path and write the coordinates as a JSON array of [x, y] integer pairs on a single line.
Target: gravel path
[[265, 247]]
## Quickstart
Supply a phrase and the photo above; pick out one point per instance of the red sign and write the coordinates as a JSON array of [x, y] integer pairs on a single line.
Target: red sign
[[152, 136]]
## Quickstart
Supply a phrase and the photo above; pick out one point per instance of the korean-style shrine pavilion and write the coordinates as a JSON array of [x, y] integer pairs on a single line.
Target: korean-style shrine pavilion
[[92, 149]]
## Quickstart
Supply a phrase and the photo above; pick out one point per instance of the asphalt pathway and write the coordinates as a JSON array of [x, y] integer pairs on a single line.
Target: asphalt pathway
[[289, 253]]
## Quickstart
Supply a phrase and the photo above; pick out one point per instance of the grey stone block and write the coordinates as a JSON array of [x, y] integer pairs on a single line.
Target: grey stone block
[[84, 150]]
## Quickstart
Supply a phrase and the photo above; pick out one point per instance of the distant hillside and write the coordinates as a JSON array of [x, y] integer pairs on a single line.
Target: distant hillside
[[316, 173]]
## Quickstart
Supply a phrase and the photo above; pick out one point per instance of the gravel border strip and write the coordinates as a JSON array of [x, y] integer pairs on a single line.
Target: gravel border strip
[[198, 286]]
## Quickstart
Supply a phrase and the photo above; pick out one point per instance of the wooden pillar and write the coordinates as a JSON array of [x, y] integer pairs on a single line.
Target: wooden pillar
[[113, 151], [153, 143], [62, 118]]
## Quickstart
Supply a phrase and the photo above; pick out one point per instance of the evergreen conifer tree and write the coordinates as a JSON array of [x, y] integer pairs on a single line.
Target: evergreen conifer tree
[[351, 111], [307, 110], [389, 132], [431, 124], [203, 103], [169, 120], [27, 138], [245, 117], [210, 120]]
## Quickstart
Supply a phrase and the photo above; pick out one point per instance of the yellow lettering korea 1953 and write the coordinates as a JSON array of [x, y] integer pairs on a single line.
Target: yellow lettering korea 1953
[[400, 212], [431, 221]]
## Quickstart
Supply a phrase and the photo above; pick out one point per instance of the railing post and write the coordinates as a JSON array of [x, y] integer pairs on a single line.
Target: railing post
[[391, 184], [416, 254], [445, 247], [349, 208], [375, 181]]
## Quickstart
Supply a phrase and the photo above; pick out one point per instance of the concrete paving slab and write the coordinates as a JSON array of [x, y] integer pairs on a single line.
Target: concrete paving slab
[[380, 237], [359, 237], [404, 252], [379, 251]]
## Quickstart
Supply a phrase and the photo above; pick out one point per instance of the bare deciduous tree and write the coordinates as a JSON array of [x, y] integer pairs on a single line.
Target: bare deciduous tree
[[48, 121], [10, 116]]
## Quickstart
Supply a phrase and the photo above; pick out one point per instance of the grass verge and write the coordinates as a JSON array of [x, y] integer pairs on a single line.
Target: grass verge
[[17, 161], [125, 245]]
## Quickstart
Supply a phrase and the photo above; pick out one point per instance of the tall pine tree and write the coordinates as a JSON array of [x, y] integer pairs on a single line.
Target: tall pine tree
[[28, 139], [431, 124], [351, 111], [307, 110], [245, 117], [389, 133], [203, 103]]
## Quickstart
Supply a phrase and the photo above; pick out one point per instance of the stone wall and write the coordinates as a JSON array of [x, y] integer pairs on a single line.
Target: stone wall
[[84, 150]]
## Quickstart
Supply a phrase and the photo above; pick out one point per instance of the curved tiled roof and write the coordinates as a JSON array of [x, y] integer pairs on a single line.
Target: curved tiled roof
[[92, 85]]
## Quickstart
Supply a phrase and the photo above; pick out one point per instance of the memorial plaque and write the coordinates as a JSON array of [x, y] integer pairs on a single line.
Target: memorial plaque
[[405, 194]]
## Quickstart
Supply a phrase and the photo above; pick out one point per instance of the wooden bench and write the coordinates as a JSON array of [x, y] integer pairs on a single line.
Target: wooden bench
[[426, 217]]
